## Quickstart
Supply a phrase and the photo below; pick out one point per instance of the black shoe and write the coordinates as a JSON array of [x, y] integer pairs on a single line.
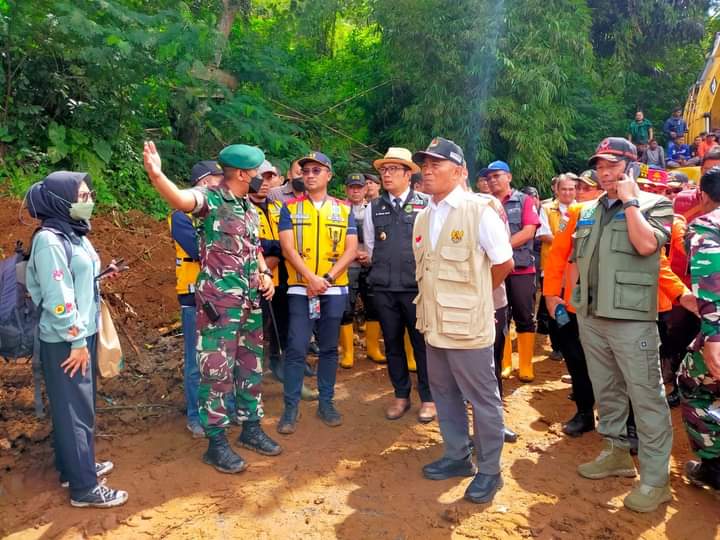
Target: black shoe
[[673, 398], [581, 423], [510, 436], [483, 487], [632, 439], [445, 468], [222, 457], [309, 370], [254, 438], [703, 475], [288, 420], [100, 496], [329, 414], [314, 349]]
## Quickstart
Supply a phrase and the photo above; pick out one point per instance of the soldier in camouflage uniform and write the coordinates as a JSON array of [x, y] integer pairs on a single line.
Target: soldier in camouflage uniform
[[233, 275], [700, 374]]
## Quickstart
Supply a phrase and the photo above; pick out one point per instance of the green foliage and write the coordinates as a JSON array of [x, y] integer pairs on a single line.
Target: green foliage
[[537, 83]]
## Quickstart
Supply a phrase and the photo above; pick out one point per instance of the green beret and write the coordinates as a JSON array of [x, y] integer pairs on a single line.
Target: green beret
[[241, 156]]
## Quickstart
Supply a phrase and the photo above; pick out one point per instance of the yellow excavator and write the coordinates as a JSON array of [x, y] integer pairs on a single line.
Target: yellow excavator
[[702, 108]]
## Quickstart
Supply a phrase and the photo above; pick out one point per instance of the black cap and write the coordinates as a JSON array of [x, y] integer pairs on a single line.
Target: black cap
[[355, 179], [202, 169], [614, 149], [440, 148], [371, 178]]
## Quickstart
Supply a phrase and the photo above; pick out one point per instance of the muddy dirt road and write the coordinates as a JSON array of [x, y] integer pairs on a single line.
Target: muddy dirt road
[[359, 481]]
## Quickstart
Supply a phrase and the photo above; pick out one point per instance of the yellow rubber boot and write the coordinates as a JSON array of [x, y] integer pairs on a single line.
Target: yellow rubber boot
[[372, 342], [507, 358], [526, 347], [409, 353], [346, 344]]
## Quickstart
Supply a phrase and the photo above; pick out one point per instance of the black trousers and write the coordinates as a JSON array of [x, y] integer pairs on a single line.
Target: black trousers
[[396, 313], [521, 299], [281, 311], [572, 351], [358, 285], [547, 323], [501, 328], [72, 408]]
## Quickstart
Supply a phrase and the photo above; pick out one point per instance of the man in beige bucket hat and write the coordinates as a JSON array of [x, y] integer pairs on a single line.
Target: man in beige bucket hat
[[388, 238]]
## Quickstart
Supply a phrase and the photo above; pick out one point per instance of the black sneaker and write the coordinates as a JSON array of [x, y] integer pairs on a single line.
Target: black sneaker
[[101, 469], [329, 414], [581, 423], [100, 496], [673, 398], [254, 438], [288, 421], [222, 457]]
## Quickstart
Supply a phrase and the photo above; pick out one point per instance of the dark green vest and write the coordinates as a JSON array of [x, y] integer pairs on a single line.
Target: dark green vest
[[624, 285]]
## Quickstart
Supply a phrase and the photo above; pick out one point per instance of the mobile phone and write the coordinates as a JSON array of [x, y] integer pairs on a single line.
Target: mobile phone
[[633, 169], [211, 312]]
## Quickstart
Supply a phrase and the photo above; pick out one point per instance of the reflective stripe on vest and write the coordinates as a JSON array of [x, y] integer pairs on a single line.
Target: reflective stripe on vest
[[319, 237], [186, 269]]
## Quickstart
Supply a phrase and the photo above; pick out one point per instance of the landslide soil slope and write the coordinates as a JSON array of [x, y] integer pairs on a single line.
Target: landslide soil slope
[[361, 480]]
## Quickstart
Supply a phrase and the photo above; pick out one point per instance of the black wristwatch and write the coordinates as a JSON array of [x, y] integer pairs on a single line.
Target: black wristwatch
[[267, 272], [327, 277], [631, 202]]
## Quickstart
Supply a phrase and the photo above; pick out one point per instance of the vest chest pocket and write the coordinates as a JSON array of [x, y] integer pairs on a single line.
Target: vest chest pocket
[[457, 314], [581, 237], [454, 264], [619, 239], [633, 290]]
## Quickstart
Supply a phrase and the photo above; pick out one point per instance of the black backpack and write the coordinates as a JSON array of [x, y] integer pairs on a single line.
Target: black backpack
[[19, 317]]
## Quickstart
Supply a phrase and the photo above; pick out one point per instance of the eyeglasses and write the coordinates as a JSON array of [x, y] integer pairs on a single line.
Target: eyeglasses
[[86, 196], [313, 170], [391, 169]]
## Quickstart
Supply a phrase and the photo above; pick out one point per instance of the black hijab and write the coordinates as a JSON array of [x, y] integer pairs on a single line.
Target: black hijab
[[50, 200]]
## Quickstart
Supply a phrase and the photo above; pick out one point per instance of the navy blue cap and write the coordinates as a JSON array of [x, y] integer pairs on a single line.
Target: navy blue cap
[[202, 169], [441, 148], [317, 157], [497, 166], [355, 179]]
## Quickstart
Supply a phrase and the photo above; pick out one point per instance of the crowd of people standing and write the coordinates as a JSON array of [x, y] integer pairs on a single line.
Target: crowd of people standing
[[268, 267]]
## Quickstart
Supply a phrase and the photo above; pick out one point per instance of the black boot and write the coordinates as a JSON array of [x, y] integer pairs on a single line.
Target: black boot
[[222, 457], [673, 398], [277, 367], [254, 438], [288, 420], [704, 473], [581, 423], [632, 438], [329, 414]]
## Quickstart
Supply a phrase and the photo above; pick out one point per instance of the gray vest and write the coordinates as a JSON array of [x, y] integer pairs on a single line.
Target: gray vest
[[523, 255], [393, 262]]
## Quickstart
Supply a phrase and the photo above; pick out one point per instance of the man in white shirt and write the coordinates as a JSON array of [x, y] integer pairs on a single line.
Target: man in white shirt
[[462, 252]]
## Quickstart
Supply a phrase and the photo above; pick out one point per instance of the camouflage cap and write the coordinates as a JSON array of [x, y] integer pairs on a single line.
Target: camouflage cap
[[241, 156]]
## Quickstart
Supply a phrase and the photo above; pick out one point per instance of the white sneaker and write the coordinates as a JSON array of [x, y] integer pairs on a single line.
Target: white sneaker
[[101, 469]]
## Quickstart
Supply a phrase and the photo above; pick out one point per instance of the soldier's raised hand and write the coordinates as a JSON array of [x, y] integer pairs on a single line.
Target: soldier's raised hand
[[152, 161]]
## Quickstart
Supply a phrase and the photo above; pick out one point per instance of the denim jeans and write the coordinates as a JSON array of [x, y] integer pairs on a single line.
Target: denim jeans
[[191, 373], [299, 332]]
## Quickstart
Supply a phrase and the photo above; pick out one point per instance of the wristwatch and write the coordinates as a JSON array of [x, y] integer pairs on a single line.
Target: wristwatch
[[267, 272], [327, 277], [631, 202]]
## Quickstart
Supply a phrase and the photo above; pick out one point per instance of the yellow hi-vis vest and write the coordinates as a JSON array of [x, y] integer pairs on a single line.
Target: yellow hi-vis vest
[[319, 236], [269, 228], [554, 215], [186, 268]]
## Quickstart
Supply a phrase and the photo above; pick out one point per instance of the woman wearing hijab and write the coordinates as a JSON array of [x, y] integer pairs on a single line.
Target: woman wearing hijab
[[60, 277]]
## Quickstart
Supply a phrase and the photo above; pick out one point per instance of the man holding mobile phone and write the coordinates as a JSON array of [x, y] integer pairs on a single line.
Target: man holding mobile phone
[[616, 303]]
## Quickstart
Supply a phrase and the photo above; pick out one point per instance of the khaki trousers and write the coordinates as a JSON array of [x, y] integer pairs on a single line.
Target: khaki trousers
[[624, 364]]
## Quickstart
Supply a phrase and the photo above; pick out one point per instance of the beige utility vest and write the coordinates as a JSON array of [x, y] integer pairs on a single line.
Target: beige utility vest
[[454, 301]]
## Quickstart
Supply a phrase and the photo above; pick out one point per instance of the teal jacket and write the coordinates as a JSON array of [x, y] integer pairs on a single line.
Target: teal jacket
[[68, 295]]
